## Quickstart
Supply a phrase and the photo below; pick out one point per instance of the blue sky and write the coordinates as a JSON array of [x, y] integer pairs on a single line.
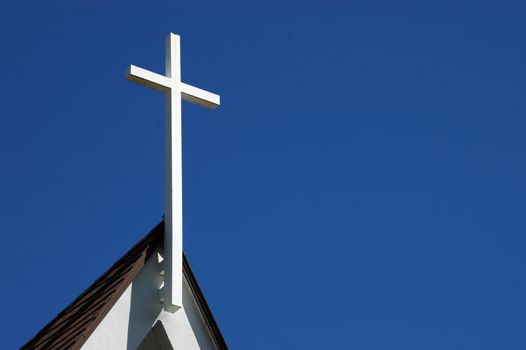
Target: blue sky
[[362, 185]]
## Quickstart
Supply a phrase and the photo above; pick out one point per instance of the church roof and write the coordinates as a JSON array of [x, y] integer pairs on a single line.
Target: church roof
[[72, 327]]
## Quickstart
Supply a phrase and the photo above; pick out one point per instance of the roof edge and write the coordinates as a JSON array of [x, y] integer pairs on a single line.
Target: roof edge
[[203, 306], [152, 239]]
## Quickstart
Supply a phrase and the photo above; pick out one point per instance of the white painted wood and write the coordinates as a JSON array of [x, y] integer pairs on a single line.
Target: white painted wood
[[174, 90], [161, 83], [147, 78], [200, 97]]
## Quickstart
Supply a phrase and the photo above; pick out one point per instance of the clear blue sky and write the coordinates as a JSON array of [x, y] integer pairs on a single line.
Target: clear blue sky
[[362, 186]]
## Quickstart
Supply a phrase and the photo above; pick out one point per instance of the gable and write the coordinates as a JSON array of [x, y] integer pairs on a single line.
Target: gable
[[125, 300], [132, 317]]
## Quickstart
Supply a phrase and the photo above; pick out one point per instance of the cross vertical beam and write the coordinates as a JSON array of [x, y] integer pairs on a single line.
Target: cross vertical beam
[[174, 91], [173, 180]]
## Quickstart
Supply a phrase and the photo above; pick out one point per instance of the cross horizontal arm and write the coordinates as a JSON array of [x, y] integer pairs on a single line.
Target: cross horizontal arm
[[199, 96], [164, 84], [149, 79]]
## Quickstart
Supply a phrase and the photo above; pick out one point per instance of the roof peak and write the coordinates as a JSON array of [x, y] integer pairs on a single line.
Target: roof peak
[[73, 326]]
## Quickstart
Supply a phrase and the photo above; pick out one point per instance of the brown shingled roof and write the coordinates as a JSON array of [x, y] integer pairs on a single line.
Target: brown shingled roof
[[72, 327]]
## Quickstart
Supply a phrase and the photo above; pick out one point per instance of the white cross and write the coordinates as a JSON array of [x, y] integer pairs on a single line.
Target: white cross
[[174, 89]]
